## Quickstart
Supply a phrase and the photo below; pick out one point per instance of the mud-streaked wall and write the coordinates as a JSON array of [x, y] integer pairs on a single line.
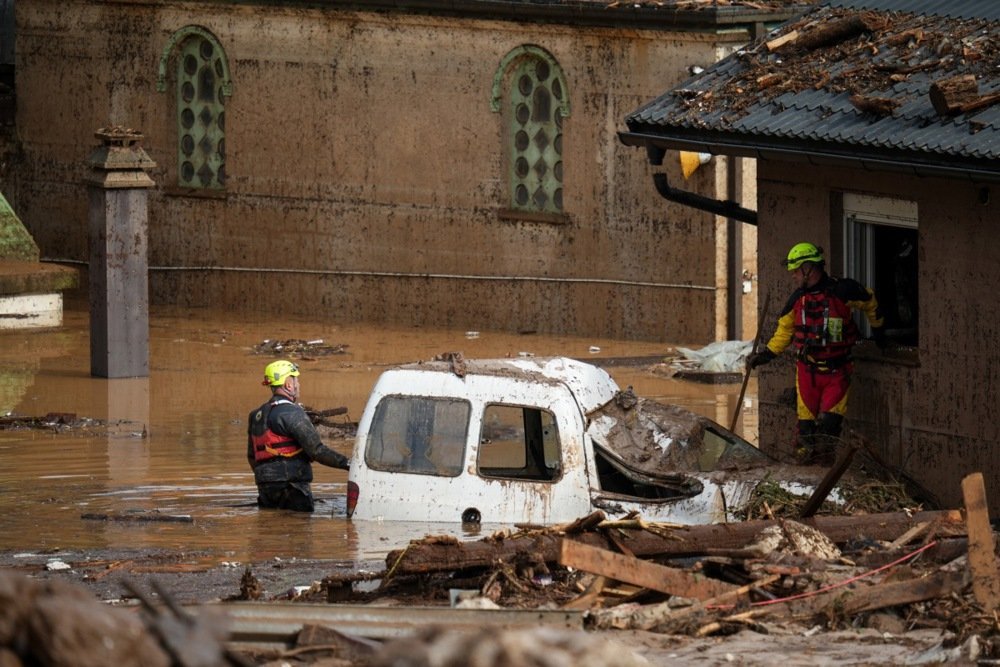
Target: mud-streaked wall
[[930, 413], [366, 168]]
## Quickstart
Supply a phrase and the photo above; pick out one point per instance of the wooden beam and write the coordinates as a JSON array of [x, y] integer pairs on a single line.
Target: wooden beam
[[631, 570], [848, 602], [982, 557], [420, 558]]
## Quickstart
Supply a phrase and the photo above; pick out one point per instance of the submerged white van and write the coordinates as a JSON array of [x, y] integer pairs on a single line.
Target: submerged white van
[[540, 441]]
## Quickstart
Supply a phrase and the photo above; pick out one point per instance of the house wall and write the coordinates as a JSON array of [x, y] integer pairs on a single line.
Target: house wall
[[932, 418], [366, 168]]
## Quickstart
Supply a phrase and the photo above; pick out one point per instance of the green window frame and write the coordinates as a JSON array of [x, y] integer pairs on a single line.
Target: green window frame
[[534, 86], [202, 84]]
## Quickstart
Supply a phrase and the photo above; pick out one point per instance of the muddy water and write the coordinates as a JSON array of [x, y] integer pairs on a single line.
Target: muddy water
[[174, 446]]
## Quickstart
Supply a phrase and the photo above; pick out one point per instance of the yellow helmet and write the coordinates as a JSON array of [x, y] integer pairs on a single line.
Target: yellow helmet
[[276, 372], [802, 253]]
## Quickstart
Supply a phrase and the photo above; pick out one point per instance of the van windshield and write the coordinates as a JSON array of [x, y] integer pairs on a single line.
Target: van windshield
[[419, 435]]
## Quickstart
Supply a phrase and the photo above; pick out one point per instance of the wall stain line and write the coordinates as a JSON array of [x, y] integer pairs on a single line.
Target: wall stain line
[[394, 274]]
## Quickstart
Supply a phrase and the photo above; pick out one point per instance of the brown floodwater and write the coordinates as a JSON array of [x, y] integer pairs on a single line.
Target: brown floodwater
[[175, 442]]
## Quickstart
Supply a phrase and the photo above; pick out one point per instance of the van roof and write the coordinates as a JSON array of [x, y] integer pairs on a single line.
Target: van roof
[[592, 386]]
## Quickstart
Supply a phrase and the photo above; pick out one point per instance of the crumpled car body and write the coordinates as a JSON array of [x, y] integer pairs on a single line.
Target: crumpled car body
[[543, 441]]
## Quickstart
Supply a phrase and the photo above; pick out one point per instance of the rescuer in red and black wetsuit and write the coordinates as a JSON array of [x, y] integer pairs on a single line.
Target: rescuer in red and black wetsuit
[[817, 321], [282, 443]]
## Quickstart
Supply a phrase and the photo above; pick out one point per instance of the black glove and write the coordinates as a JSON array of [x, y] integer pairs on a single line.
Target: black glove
[[760, 358], [878, 335]]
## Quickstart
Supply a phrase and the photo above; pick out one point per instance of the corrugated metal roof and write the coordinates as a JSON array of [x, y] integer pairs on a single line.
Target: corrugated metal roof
[[983, 9], [812, 96]]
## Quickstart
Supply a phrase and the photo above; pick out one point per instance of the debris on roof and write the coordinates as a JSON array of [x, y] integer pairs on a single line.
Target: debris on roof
[[849, 75]]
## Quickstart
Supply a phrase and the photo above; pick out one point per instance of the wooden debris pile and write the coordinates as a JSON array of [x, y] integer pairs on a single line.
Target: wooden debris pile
[[297, 348], [903, 570]]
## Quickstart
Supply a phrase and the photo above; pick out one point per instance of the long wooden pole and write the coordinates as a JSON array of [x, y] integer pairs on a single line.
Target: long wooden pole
[[753, 351]]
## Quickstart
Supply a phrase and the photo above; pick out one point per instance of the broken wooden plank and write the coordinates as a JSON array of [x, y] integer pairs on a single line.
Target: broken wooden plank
[[656, 577], [840, 466], [778, 42], [982, 557], [948, 95], [676, 541], [589, 596], [909, 535]]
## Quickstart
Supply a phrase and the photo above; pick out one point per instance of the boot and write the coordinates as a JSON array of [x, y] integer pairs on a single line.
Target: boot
[[806, 443], [827, 438]]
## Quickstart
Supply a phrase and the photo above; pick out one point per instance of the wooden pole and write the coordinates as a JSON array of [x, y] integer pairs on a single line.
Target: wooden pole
[[833, 476], [753, 351]]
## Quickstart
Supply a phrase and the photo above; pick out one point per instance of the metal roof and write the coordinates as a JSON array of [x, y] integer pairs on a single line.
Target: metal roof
[[984, 9], [810, 100]]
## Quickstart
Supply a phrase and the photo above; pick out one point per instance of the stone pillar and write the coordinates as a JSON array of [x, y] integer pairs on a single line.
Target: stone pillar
[[119, 280]]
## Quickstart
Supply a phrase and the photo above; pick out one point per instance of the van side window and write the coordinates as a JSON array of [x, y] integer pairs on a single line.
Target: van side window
[[519, 443], [423, 436]]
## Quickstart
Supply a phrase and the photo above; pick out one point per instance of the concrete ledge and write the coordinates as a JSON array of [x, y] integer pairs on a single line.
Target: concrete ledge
[[21, 277], [31, 311]]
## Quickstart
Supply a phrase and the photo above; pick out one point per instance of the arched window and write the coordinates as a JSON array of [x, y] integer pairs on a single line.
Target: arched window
[[202, 79], [538, 102]]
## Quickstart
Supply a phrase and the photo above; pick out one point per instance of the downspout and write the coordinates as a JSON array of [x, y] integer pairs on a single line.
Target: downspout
[[734, 214], [727, 209]]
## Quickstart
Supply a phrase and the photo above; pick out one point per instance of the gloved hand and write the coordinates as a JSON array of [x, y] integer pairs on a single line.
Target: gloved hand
[[760, 358], [878, 335]]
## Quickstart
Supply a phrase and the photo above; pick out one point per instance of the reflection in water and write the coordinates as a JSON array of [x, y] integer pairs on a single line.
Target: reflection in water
[[175, 443]]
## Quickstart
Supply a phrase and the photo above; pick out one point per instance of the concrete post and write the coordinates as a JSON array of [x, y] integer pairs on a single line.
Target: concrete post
[[119, 281]]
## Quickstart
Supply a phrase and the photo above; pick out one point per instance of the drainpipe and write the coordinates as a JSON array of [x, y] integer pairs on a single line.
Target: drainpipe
[[734, 214], [728, 209]]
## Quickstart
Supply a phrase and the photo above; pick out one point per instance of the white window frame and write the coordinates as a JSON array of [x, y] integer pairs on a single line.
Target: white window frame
[[861, 214]]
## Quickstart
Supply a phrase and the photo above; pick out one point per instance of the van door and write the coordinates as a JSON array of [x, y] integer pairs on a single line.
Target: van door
[[530, 459]]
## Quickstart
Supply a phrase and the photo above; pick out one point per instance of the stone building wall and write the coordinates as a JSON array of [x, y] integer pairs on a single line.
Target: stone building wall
[[366, 169]]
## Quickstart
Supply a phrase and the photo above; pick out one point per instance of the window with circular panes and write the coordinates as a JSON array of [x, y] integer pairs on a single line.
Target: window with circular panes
[[201, 145], [536, 164]]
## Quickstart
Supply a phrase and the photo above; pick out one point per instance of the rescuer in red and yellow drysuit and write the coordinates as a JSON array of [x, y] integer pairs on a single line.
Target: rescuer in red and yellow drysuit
[[281, 443], [817, 321]]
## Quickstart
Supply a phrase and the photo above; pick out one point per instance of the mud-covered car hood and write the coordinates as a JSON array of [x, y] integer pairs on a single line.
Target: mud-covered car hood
[[667, 441]]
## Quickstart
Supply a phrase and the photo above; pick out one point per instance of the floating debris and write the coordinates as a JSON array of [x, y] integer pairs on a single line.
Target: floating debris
[[297, 347]]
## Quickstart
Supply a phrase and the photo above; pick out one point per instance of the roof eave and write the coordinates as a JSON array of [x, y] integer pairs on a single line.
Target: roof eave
[[818, 154], [632, 15]]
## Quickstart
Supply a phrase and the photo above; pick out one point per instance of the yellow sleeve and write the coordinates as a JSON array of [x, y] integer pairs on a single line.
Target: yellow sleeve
[[782, 337], [870, 308]]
